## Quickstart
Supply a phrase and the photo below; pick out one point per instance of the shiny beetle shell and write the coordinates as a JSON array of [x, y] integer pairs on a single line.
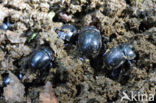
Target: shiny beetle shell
[[116, 56], [41, 58], [5, 26], [89, 42], [67, 31]]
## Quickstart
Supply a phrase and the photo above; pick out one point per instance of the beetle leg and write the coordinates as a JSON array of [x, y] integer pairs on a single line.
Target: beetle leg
[[117, 74], [51, 65], [130, 68], [120, 75], [105, 38], [82, 59]]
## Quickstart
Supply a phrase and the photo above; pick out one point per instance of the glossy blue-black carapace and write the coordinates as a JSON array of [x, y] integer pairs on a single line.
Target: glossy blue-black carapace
[[118, 55], [89, 42], [67, 32], [5, 26], [6, 80], [41, 58]]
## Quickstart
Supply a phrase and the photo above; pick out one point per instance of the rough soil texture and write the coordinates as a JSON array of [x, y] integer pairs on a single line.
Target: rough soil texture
[[74, 81]]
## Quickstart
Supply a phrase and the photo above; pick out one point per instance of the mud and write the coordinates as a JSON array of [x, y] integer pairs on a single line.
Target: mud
[[73, 80]]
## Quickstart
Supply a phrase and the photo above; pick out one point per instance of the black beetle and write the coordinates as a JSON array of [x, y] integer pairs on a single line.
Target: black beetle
[[6, 80], [5, 26], [67, 31], [41, 58], [89, 42], [117, 56]]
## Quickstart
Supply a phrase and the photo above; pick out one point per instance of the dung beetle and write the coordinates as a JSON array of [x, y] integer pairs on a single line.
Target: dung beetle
[[89, 42], [5, 26], [41, 58], [6, 80], [117, 56], [20, 76], [67, 31]]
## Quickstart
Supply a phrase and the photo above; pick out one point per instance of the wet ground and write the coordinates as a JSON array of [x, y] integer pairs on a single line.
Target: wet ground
[[33, 23]]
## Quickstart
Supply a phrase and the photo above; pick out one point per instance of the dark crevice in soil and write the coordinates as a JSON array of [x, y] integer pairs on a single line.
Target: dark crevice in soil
[[31, 85], [60, 78], [11, 7], [113, 36], [97, 64], [154, 65], [79, 88], [114, 99], [1, 91], [128, 1], [93, 100], [143, 27], [16, 63]]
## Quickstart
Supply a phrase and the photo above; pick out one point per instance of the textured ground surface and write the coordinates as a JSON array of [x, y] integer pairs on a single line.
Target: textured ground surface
[[74, 81]]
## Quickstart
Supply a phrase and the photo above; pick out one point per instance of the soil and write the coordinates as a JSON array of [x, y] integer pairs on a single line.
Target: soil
[[73, 80]]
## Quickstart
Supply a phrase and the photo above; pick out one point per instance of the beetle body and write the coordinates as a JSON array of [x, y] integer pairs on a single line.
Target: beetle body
[[66, 32], [41, 58], [117, 56], [5, 26], [89, 42], [6, 80]]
